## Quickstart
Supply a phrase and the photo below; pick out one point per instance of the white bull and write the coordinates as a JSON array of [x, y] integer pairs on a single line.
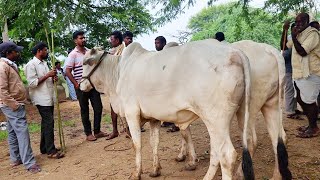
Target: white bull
[[181, 84], [267, 74]]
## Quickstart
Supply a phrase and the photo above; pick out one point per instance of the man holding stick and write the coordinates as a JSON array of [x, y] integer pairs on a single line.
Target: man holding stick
[[40, 80]]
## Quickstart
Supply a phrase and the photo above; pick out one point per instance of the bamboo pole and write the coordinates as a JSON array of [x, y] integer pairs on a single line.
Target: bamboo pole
[[60, 128]]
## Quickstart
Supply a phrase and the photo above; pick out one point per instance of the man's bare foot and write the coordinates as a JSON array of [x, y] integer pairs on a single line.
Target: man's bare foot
[[112, 135], [90, 137]]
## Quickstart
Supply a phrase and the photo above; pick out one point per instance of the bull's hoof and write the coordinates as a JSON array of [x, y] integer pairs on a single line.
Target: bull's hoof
[[155, 174], [178, 159], [189, 167], [135, 177]]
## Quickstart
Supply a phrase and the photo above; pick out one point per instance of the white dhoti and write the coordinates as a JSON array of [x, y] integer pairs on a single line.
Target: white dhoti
[[309, 88]]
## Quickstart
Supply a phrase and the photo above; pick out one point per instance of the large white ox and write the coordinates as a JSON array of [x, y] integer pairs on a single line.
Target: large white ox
[[181, 84], [267, 73]]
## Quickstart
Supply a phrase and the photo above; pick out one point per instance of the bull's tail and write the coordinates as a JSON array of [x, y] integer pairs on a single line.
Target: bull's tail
[[247, 166], [282, 154]]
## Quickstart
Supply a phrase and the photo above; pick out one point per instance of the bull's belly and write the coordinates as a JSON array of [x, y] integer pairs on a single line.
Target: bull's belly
[[182, 118]]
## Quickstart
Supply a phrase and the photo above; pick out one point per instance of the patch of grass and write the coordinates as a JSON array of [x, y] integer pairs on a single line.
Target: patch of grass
[[3, 135], [106, 118], [34, 127], [69, 123]]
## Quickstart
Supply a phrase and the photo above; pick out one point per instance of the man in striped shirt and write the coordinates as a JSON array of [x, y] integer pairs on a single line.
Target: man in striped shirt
[[74, 63]]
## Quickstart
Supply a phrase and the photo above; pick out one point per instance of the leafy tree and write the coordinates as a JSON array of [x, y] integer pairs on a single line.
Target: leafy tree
[[28, 19], [226, 19]]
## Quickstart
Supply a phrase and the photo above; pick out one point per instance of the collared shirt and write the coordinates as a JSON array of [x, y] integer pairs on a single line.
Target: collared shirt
[[12, 90], [11, 63], [310, 41], [40, 94], [75, 62]]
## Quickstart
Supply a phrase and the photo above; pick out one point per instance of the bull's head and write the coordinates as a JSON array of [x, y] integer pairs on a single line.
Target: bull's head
[[91, 61]]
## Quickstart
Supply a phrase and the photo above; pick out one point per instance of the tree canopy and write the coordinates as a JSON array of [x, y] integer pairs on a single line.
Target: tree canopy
[[224, 18], [28, 19]]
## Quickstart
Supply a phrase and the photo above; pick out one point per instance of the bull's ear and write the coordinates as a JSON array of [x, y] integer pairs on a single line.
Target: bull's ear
[[90, 61]]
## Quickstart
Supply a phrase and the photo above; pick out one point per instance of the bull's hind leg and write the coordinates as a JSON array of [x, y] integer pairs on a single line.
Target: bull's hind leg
[[154, 142], [272, 114], [221, 148], [187, 146]]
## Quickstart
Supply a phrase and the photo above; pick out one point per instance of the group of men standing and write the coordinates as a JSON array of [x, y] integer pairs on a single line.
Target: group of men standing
[[40, 81]]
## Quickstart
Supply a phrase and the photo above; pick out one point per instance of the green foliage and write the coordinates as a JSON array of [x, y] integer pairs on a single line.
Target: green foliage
[[23, 77], [227, 19], [27, 20]]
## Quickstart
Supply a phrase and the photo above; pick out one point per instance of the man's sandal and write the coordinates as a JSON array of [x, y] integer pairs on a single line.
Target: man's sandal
[[34, 168], [56, 155], [308, 133]]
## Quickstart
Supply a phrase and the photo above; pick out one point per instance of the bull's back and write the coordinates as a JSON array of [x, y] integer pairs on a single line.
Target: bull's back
[[203, 73]]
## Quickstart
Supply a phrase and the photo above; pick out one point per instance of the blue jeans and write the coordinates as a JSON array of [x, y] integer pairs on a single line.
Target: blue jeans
[[18, 136]]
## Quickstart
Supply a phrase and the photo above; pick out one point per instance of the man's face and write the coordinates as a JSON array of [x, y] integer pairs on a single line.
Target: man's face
[[159, 45], [114, 41], [58, 66], [301, 23], [44, 53], [80, 41], [127, 40], [14, 56]]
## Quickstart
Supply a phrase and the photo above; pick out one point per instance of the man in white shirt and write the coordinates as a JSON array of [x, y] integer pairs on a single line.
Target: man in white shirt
[[40, 80]]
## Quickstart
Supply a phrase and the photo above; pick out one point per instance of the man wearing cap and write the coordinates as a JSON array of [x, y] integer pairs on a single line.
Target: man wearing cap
[[12, 99], [40, 81]]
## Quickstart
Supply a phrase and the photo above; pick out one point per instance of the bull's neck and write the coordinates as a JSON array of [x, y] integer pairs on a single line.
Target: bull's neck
[[111, 73]]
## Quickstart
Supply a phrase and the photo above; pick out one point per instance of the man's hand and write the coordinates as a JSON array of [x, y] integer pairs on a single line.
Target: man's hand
[[77, 86], [294, 32], [55, 78], [52, 73], [286, 25]]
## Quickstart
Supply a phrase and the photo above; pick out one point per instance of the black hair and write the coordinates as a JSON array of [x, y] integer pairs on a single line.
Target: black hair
[[76, 34], [161, 39], [127, 34], [117, 35], [313, 23], [56, 63], [219, 36], [38, 46]]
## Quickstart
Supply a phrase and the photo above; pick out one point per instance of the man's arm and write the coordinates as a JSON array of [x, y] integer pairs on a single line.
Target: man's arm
[[4, 90], [32, 76], [300, 50], [69, 75], [284, 40]]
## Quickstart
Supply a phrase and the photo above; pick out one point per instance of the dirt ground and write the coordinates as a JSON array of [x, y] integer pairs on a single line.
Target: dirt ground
[[101, 160]]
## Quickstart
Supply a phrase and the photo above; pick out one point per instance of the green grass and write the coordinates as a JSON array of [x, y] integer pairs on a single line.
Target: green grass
[[106, 118], [33, 128], [69, 123], [3, 135]]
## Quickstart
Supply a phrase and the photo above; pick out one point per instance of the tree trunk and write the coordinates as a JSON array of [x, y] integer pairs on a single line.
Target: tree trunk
[[5, 37]]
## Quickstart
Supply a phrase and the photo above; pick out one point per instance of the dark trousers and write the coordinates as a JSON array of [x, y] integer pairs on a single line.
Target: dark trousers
[[310, 110], [95, 99], [47, 129]]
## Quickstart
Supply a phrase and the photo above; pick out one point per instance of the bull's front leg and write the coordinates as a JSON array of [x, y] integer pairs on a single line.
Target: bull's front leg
[[133, 120], [154, 142]]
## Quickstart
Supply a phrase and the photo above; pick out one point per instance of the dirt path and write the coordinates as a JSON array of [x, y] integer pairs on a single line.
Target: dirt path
[[91, 160]]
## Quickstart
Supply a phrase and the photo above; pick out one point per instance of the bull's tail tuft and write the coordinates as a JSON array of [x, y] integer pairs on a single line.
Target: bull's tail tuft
[[282, 156], [247, 166]]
